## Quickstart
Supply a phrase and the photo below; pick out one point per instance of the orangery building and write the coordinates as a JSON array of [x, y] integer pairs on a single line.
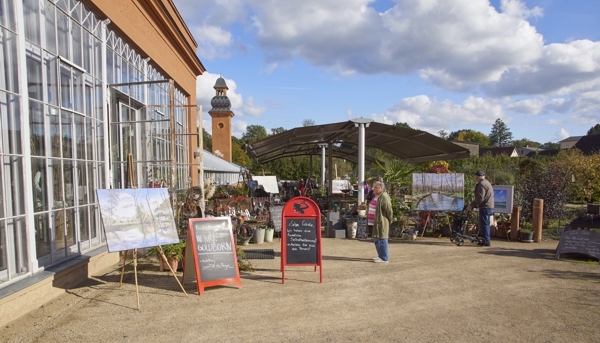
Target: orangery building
[[93, 94]]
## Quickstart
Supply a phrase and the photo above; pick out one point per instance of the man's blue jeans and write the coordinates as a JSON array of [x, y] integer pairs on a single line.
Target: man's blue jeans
[[381, 245], [484, 223]]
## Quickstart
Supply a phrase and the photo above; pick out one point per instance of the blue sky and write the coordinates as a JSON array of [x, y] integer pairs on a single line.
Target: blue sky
[[435, 64]]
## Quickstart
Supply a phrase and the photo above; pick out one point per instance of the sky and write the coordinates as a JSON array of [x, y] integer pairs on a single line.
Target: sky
[[434, 64]]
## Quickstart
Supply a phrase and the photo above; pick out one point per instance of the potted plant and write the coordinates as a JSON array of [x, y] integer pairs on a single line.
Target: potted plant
[[526, 232], [269, 231], [443, 224], [173, 253], [259, 234]]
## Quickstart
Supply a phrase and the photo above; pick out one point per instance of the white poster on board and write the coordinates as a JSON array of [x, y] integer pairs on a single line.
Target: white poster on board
[[268, 182]]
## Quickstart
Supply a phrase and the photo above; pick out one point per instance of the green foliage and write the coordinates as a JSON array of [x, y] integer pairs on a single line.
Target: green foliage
[[243, 263], [594, 130], [206, 140], [238, 155], [170, 251], [550, 146], [469, 135], [526, 227], [524, 142], [542, 179], [500, 134], [254, 133], [396, 173]]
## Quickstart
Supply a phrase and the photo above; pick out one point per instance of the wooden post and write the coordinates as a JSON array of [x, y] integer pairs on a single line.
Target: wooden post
[[514, 223], [538, 218]]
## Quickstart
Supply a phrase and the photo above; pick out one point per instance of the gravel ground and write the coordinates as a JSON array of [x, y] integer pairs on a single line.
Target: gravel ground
[[431, 291]]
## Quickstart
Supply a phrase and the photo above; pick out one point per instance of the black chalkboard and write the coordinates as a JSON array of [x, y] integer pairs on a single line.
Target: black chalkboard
[[301, 241], [585, 242], [215, 249], [361, 231]]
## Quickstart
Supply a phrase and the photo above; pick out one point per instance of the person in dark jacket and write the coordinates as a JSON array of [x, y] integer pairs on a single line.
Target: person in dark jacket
[[484, 201]]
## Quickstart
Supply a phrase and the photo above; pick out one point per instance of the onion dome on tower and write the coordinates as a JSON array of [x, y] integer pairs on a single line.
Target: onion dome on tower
[[220, 102]]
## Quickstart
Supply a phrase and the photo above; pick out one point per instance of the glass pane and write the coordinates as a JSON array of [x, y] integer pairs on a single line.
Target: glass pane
[[66, 120], [36, 126], [7, 14], [110, 69], [90, 182], [40, 190], [59, 220], [100, 142], [55, 145], [77, 90], [101, 177], [76, 10], [3, 246], [10, 124], [8, 60], [89, 139], [34, 76], [63, 34], [50, 26], [42, 234], [98, 46], [70, 227], [87, 51], [89, 96], [65, 86], [31, 17], [50, 63], [99, 114], [20, 245], [79, 137], [84, 233], [2, 202], [76, 43], [93, 222], [57, 184], [12, 167], [82, 183], [63, 4], [86, 16], [68, 170]]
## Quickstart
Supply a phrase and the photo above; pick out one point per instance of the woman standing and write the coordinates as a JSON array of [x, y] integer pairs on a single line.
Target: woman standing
[[380, 215]]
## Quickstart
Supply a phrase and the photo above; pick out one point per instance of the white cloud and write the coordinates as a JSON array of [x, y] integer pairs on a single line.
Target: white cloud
[[205, 91], [238, 128], [213, 42], [553, 122], [560, 135], [517, 8], [432, 115], [253, 109], [528, 106]]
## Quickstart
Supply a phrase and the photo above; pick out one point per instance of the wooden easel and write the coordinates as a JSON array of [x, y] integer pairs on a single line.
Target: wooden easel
[[134, 255]]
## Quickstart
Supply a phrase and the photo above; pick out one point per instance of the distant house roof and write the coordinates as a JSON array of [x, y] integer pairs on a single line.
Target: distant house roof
[[572, 138], [510, 151], [589, 144], [213, 163]]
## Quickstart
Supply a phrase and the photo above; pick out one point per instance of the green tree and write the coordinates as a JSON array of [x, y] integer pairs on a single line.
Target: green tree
[[594, 130], [277, 130], [404, 125], [500, 134], [469, 135], [550, 146], [238, 155], [443, 134], [254, 133], [524, 142], [206, 140]]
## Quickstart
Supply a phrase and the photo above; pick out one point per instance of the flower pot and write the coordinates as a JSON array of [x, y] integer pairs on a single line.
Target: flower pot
[[259, 236], [351, 227], [526, 237], [269, 235], [172, 261], [446, 231]]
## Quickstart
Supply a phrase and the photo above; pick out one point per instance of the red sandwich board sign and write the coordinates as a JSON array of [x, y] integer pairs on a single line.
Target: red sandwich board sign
[[210, 255], [301, 235]]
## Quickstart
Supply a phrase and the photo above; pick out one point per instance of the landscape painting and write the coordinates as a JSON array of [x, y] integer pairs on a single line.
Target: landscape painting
[[503, 198], [438, 192], [136, 218]]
